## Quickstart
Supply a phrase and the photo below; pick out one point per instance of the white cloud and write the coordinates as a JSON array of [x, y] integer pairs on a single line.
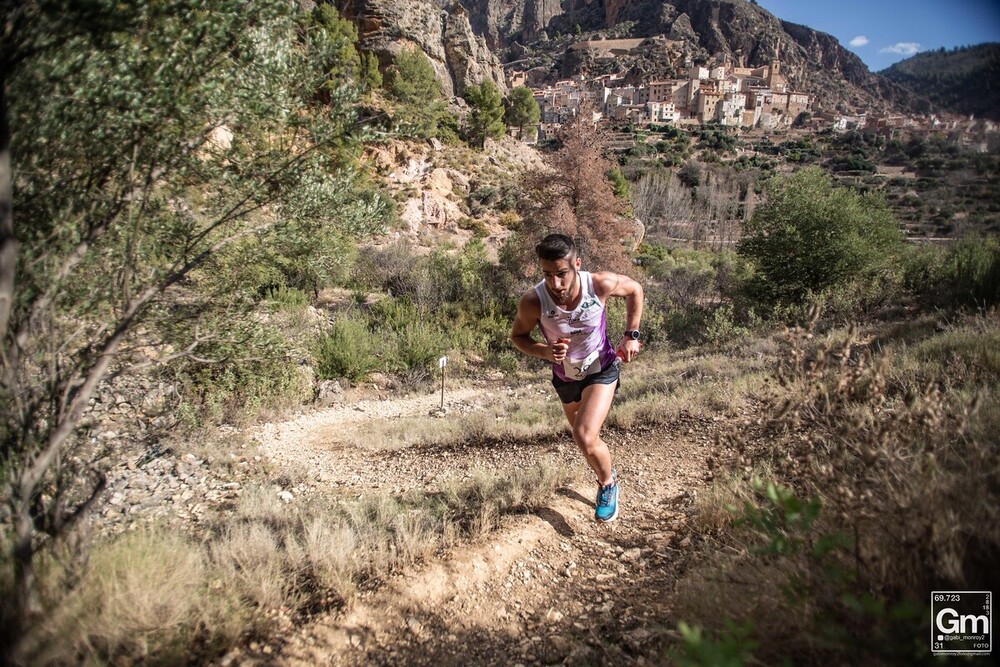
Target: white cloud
[[860, 40], [902, 48]]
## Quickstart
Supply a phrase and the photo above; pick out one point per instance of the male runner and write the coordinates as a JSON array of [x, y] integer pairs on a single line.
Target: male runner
[[569, 307]]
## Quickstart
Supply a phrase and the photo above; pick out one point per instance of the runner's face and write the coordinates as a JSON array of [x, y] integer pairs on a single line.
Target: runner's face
[[560, 277]]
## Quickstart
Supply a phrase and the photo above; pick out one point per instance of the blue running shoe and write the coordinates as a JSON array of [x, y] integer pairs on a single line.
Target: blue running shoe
[[606, 507]]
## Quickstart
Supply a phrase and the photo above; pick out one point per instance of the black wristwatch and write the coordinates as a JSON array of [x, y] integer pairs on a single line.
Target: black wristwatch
[[632, 333]]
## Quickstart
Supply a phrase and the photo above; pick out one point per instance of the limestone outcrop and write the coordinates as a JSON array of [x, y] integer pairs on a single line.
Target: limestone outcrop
[[459, 56]]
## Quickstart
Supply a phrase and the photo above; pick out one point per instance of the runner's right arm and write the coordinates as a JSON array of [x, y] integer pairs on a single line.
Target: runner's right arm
[[529, 310]]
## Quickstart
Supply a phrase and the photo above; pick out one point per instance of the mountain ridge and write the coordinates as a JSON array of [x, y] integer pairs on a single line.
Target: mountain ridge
[[962, 80]]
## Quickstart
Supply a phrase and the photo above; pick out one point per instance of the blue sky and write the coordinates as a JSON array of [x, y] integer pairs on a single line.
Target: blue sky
[[882, 32]]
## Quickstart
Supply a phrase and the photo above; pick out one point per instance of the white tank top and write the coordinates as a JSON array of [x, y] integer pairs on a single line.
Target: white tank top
[[585, 326]]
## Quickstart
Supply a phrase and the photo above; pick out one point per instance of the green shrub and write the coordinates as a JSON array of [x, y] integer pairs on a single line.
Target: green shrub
[[810, 236], [236, 385], [390, 269], [975, 271], [730, 647], [690, 174], [684, 288], [348, 350], [685, 277], [641, 149], [618, 183], [924, 269], [684, 327], [417, 346], [283, 298], [491, 198], [845, 303], [721, 326], [446, 302], [486, 334]]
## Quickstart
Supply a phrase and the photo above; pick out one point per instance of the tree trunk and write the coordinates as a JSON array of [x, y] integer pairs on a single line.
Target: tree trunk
[[26, 596], [8, 244], [27, 606]]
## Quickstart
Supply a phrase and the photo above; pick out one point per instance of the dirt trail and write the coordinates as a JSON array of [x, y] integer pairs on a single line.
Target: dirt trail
[[335, 442], [549, 587]]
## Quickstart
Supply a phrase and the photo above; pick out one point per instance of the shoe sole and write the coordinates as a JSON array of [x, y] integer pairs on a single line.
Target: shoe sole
[[617, 507]]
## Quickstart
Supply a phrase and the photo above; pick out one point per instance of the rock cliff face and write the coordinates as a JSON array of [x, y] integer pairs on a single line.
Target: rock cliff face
[[459, 56], [469, 59], [503, 21], [825, 66]]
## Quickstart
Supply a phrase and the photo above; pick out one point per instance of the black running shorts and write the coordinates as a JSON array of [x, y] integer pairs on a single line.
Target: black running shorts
[[571, 392]]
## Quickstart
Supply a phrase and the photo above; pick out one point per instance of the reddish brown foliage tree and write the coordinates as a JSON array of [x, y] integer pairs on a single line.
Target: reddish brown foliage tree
[[576, 199]]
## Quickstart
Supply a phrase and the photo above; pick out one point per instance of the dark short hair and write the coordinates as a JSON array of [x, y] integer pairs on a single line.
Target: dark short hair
[[555, 246]]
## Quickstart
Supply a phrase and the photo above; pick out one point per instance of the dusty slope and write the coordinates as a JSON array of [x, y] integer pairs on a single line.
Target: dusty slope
[[549, 587]]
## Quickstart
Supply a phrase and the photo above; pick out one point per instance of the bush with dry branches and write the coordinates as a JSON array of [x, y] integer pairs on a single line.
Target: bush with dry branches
[[906, 472]]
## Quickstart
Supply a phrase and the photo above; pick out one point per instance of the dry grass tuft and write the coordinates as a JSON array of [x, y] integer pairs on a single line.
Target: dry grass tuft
[[487, 496], [392, 534], [329, 549], [252, 560], [717, 507], [262, 504], [144, 598]]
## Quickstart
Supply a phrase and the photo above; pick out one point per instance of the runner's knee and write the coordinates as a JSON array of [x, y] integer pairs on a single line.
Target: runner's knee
[[587, 437]]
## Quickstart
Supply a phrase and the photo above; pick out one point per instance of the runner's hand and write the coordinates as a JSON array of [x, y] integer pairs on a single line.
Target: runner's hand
[[558, 349], [627, 349]]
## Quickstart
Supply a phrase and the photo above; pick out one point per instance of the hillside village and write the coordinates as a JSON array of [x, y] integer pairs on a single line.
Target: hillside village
[[721, 92]]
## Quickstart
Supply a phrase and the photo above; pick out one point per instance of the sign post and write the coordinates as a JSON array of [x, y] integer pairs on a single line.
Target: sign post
[[442, 362]]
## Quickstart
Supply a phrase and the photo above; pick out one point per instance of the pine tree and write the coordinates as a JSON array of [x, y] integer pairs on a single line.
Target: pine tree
[[412, 82], [522, 109], [371, 76], [486, 113], [342, 62]]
